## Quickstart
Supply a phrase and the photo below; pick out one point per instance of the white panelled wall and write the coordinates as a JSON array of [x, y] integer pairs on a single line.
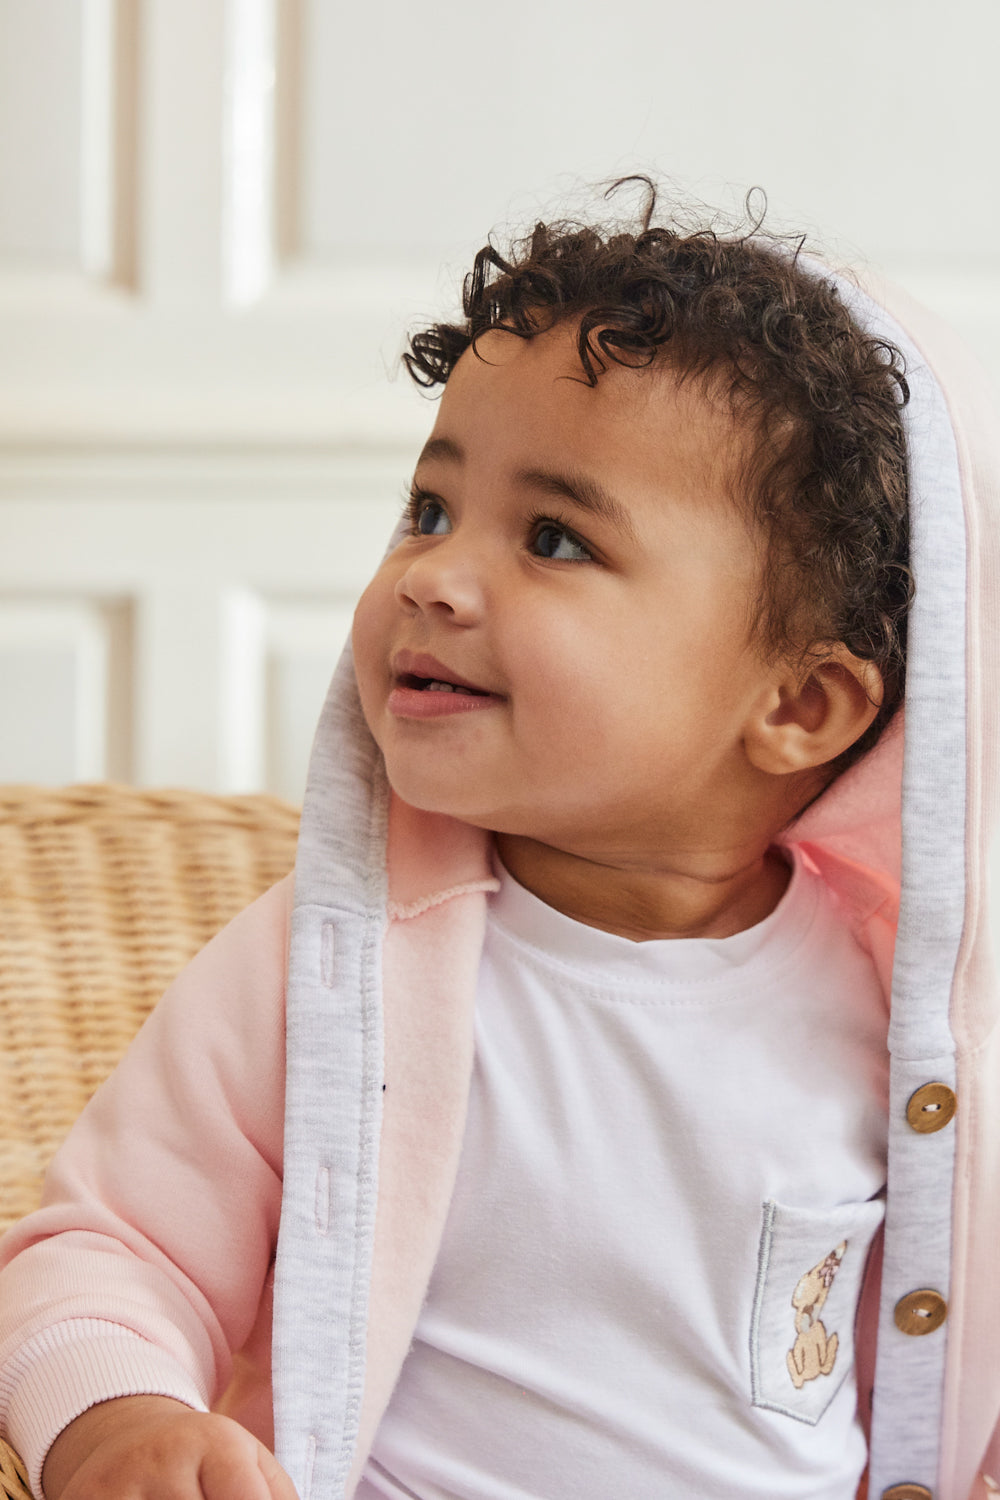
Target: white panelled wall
[[176, 623], [217, 220]]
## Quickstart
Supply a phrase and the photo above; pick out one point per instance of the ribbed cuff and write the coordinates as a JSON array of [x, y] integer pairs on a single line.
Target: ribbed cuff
[[73, 1366]]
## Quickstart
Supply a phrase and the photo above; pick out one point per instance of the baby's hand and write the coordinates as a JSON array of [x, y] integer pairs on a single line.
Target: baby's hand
[[153, 1448]]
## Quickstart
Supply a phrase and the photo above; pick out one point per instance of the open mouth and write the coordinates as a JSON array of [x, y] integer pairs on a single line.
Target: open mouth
[[426, 688], [437, 685]]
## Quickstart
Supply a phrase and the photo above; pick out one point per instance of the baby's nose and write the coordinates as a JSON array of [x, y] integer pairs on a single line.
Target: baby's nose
[[445, 578]]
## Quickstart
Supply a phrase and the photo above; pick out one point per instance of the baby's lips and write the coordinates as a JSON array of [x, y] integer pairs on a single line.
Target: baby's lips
[[409, 702]]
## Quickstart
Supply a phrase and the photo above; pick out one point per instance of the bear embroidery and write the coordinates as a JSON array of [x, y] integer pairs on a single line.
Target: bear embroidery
[[814, 1350]]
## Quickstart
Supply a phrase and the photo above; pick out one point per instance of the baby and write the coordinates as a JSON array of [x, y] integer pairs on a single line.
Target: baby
[[582, 1144]]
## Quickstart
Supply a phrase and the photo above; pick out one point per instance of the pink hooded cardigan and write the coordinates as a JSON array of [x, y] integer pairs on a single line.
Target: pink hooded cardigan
[[187, 1200]]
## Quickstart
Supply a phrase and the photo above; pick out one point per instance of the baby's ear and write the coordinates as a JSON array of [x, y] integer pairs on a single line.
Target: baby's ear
[[812, 714]]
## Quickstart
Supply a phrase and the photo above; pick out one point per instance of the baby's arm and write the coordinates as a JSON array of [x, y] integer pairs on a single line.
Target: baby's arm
[[149, 1447], [146, 1266]]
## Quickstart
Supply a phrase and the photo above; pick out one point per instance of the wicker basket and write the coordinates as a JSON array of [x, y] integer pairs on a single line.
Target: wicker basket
[[105, 893], [13, 1479]]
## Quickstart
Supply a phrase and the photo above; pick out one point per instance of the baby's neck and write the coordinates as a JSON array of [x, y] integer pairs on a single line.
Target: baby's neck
[[707, 898]]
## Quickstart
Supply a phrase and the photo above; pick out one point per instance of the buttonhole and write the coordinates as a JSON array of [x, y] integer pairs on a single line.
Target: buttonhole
[[307, 1482], [323, 1200], [326, 955]]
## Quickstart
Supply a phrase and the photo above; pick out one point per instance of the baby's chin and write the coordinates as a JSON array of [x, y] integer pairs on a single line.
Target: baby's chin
[[427, 794], [444, 801]]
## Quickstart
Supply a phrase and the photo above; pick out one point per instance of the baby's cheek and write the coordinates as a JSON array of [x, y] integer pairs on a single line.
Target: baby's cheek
[[371, 648]]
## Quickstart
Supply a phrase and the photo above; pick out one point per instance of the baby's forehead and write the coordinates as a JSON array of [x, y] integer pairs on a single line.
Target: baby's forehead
[[535, 391]]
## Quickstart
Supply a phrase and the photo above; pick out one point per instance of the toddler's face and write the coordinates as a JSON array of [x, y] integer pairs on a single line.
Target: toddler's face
[[560, 647]]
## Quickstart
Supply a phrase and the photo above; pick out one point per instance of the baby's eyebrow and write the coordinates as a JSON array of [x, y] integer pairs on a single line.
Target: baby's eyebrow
[[441, 447], [580, 490]]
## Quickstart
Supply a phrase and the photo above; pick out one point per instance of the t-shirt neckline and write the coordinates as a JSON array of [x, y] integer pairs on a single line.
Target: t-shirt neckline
[[606, 957]]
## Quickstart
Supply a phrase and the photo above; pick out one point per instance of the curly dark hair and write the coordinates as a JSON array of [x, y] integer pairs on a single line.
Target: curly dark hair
[[826, 475]]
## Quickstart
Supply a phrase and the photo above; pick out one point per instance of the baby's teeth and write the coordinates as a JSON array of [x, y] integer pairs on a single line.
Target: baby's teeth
[[441, 687]]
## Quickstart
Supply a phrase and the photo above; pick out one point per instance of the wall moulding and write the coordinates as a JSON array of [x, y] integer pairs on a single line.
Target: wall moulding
[[271, 472], [73, 241], [109, 141], [65, 670]]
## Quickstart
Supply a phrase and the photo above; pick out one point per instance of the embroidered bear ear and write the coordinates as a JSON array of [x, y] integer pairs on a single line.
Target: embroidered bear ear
[[810, 1269]]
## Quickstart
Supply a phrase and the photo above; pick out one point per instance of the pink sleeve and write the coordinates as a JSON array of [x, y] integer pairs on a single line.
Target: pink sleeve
[[144, 1268]]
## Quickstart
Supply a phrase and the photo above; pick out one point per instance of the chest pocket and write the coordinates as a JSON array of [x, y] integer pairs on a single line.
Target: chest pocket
[[810, 1269]]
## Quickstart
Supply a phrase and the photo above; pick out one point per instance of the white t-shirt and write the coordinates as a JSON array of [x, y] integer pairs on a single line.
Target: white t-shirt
[[669, 1183]]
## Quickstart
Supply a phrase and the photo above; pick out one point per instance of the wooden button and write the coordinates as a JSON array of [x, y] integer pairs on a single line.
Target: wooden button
[[907, 1492], [920, 1312], [931, 1107]]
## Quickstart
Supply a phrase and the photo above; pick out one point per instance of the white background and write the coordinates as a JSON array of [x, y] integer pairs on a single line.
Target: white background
[[217, 221]]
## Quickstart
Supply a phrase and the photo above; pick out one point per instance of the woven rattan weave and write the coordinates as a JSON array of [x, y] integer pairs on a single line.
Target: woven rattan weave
[[13, 1479], [105, 892]]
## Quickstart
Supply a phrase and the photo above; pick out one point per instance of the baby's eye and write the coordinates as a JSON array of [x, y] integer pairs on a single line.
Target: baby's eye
[[553, 540], [428, 517]]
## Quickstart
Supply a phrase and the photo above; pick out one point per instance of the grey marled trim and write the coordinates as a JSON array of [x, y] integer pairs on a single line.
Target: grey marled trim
[[907, 1415], [334, 1101]]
